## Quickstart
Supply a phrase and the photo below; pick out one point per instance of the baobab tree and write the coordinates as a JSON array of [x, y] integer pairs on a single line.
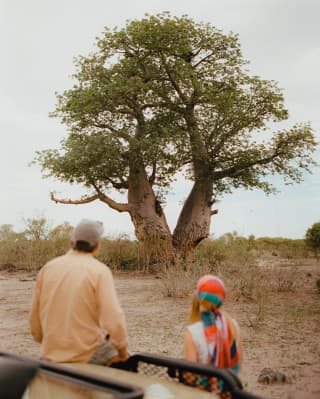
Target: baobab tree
[[165, 95]]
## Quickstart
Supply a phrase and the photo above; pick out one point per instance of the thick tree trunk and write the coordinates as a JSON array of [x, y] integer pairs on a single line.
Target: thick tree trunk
[[194, 221], [147, 215], [148, 218]]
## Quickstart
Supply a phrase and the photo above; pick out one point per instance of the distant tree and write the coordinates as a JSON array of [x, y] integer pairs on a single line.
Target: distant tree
[[313, 238], [36, 228], [7, 233], [61, 232], [166, 95], [60, 237]]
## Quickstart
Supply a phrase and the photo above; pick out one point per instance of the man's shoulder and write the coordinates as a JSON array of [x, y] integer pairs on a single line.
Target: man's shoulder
[[99, 265], [75, 258], [55, 260], [96, 266]]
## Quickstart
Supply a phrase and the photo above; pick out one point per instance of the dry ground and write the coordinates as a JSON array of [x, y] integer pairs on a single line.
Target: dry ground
[[282, 333]]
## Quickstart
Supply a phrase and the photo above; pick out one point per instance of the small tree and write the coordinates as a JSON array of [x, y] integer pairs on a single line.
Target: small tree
[[36, 229], [8, 245], [313, 238]]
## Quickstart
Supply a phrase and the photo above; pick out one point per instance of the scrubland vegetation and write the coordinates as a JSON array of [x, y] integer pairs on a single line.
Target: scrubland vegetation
[[236, 259], [30, 249]]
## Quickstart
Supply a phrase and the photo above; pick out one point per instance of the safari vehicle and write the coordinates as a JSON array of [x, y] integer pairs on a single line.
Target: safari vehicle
[[142, 376]]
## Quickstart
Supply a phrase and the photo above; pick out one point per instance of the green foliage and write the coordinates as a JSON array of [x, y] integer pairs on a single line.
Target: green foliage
[[313, 237], [146, 100], [229, 250]]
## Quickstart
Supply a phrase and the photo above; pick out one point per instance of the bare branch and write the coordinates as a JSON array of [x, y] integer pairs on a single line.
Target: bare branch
[[202, 60], [104, 126], [213, 212], [117, 206], [83, 200]]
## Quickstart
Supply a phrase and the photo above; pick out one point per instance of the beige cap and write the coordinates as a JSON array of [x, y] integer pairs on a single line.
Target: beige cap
[[89, 231]]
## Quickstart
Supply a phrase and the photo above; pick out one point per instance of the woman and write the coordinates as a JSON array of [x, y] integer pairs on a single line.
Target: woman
[[212, 337]]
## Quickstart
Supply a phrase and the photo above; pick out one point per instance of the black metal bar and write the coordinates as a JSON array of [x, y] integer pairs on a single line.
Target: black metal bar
[[231, 380], [176, 367]]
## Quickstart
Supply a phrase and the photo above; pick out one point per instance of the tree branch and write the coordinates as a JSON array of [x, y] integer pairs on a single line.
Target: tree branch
[[172, 80], [202, 60], [236, 171], [104, 126], [83, 200], [117, 206]]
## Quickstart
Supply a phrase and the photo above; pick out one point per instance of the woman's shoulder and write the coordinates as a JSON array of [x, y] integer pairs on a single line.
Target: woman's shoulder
[[196, 324], [195, 327]]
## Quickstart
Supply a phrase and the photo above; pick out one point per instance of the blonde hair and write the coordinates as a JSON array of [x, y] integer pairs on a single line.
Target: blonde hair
[[195, 308]]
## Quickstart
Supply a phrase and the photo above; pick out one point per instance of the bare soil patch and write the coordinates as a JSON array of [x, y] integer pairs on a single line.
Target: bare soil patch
[[282, 335]]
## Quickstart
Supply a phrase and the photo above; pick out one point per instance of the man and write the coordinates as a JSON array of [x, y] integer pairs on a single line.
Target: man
[[75, 312]]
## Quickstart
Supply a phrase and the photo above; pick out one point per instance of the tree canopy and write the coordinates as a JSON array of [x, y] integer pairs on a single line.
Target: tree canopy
[[165, 95], [313, 237]]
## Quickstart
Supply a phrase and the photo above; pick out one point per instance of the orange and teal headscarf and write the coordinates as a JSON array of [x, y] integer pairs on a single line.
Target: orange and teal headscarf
[[222, 345]]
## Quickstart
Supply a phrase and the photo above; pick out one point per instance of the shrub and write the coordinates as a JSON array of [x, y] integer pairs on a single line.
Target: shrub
[[282, 247], [180, 281], [313, 238]]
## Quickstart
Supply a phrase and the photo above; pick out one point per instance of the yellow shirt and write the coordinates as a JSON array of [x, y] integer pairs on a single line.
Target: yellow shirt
[[74, 304]]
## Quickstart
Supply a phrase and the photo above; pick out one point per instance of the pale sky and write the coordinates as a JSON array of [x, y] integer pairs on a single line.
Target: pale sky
[[38, 40]]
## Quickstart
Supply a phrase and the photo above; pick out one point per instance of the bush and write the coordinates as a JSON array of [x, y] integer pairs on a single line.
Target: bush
[[180, 281], [282, 247], [313, 238], [120, 254]]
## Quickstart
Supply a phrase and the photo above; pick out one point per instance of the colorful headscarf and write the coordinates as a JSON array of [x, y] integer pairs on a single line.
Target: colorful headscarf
[[212, 289], [222, 344]]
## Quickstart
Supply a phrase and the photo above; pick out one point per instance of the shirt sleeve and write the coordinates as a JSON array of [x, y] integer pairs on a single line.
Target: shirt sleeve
[[111, 315], [34, 316]]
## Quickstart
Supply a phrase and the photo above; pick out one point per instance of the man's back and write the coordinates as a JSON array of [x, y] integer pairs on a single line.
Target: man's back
[[74, 302]]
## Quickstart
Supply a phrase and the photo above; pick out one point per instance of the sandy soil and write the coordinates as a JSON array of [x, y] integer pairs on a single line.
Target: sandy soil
[[283, 335]]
